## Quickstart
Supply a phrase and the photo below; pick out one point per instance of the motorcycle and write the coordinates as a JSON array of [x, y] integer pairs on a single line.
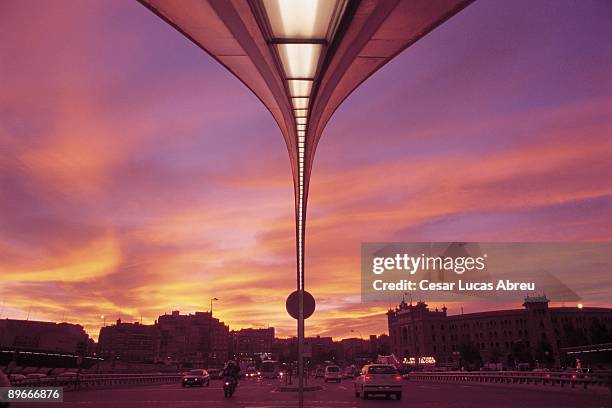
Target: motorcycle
[[229, 386]]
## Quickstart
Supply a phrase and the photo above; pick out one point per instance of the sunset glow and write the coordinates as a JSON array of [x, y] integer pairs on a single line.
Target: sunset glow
[[132, 185]]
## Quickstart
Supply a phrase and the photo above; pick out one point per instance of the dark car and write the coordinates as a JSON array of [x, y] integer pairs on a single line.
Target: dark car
[[196, 378]]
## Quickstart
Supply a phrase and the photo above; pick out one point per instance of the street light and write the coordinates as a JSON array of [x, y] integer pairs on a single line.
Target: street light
[[360, 345], [210, 324], [211, 302]]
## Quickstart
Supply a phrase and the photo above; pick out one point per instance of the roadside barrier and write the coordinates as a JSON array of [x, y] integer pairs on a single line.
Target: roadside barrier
[[544, 379], [91, 381]]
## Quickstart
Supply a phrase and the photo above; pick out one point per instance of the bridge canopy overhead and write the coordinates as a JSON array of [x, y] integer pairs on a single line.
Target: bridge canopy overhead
[[303, 58]]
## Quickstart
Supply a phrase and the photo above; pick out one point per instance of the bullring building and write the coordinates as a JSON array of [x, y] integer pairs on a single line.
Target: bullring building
[[536, 333]]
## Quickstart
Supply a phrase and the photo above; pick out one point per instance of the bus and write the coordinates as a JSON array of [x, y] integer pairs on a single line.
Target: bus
[[269, 369]]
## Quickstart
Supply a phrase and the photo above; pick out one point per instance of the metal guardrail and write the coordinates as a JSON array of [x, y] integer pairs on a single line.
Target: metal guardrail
[[549, 379], [91, 381]]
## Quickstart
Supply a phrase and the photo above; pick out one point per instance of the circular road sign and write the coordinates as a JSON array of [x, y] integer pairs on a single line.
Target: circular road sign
[[292, 304]]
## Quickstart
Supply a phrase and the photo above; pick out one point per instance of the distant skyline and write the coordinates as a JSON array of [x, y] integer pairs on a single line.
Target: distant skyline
[[138, 176]]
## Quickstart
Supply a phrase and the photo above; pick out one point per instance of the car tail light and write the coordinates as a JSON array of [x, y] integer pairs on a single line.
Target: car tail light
[[368, 378], [398, 378]]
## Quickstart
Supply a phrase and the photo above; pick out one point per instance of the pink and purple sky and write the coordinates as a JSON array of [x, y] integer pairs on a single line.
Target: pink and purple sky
[[137, 176]]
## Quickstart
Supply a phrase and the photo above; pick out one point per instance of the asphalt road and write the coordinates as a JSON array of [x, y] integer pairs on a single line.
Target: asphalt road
[[263, 394]]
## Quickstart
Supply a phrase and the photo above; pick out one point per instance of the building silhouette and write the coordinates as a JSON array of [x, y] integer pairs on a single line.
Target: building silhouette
[[252, 342], [190, 340], [129, 342], [536, 334], [320, 349], [196, 339], [45, 336]]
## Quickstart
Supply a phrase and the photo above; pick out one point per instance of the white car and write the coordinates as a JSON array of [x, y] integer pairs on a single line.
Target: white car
[[378, 379], [332, 373]]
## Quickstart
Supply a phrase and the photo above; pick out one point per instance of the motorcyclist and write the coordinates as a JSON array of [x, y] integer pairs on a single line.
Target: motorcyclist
[[231, 371]]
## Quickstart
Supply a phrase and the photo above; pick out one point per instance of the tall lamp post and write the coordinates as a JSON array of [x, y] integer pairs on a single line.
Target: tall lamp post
[[358, 332], [210, 337], [360, 338], [211, 304]]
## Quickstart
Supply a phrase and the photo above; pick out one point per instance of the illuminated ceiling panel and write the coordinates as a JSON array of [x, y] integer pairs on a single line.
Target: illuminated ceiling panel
[[299, 60], [299, 87], [300, 19], [299, 103]]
